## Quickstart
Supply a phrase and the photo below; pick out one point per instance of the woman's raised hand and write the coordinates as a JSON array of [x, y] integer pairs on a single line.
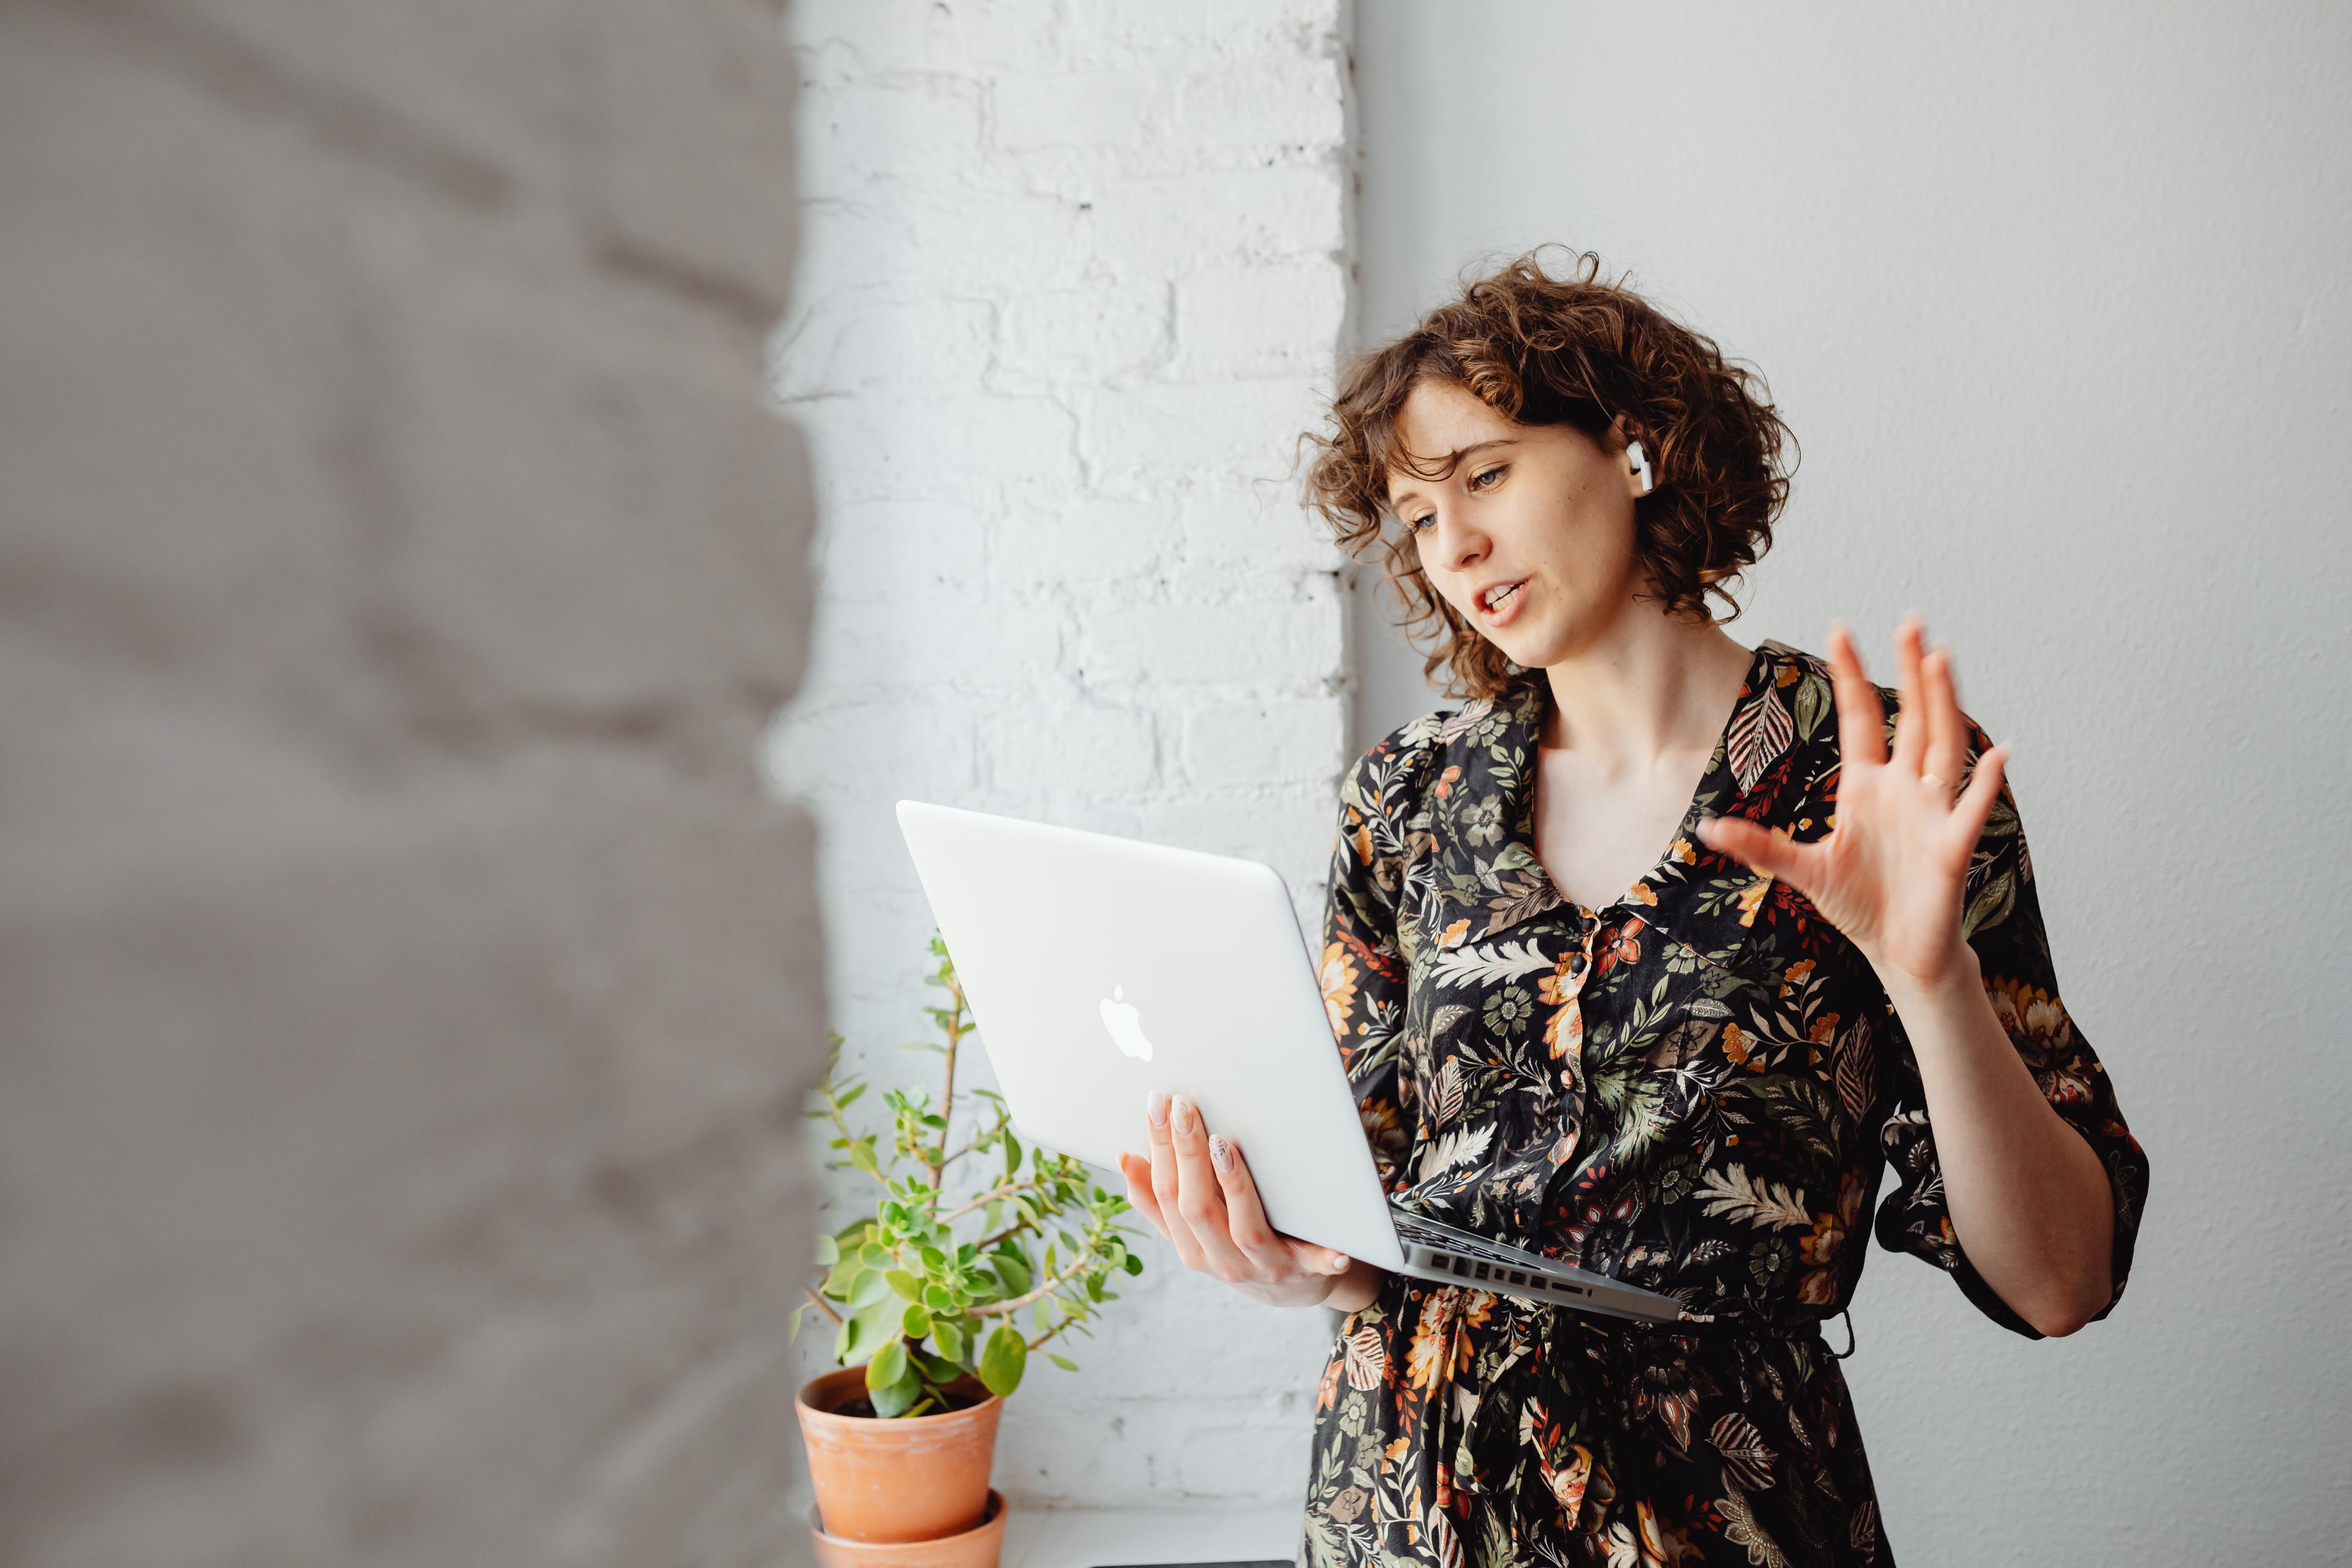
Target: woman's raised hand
[[1210, 1212], [1890, 875]]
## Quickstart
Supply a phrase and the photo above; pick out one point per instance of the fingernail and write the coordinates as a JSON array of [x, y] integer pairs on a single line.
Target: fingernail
[[1179, 1115], [1155, 1106], [1221, 1152], [1335, 1262]]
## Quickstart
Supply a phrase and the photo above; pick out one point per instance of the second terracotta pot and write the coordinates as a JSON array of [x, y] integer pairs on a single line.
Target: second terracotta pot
[[912, 1478]]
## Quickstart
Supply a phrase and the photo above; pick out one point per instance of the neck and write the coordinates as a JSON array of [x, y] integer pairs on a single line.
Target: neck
[[1659, 686]]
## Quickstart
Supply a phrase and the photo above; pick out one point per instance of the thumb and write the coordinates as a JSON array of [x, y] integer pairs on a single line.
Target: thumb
[[1757, 848]]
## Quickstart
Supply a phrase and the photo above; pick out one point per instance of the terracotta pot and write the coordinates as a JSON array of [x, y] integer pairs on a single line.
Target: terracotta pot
[[908, 1478], [979, 1547]]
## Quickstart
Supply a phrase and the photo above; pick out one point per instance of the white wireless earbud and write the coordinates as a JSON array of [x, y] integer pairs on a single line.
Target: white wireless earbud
[[1641, 461]]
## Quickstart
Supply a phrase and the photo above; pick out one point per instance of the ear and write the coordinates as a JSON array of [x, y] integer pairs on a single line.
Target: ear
[[1633, 457]]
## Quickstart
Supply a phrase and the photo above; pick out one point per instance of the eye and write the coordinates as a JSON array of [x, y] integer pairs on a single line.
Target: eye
[[1477, 482]]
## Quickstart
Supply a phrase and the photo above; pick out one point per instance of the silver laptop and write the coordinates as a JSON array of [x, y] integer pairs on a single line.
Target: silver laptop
[[1098, 968]]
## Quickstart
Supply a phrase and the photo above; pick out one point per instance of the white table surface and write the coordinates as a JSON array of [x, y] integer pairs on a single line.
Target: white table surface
[[1095, 1538]]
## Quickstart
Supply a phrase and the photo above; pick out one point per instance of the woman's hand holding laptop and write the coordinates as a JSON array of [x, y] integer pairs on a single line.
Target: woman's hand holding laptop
[[1211, 1214]]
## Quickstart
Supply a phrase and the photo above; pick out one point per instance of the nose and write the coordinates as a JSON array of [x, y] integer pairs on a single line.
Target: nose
[[1457, 545]]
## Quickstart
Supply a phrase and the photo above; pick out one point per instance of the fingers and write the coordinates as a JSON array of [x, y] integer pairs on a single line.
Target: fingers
[[1187, 1202], [1975, 802], [1138, 1172], [1862, 717], [1201, 1197], [1947, 732], [1277, 1255], [1758, 847], [1211, 1216], [1167, 1181], [1911, 700]]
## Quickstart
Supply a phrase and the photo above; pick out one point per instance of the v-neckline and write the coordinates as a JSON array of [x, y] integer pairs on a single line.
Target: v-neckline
[[1523, 815]]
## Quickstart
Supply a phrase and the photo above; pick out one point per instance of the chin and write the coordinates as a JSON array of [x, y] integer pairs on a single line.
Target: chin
[[1530, 652]]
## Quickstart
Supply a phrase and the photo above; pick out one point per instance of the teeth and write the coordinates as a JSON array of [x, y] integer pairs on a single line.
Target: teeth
[[1499, 594]]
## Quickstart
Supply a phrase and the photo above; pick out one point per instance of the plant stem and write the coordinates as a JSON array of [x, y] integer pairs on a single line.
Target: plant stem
[[1011, 1230], [1005, 1190], [946, 1101], [999, 1309], [822, 1304]]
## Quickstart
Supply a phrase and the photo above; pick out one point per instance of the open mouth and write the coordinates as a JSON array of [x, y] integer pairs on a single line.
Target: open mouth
[[1498, 598]]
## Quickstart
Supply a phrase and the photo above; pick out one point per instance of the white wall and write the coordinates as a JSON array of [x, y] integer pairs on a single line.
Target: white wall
[[1070, 281], [2056, 301]]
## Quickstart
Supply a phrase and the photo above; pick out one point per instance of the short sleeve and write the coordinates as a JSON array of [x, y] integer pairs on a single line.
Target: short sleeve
[[1360, 965], [2002, 921]]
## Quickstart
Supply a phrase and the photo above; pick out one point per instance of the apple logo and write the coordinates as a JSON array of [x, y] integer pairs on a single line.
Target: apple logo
[[1118, 1016]]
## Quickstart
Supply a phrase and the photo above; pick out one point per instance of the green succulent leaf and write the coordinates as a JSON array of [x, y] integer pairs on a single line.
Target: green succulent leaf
[[828, 1252], [1003, 1360], [889, 1365], [877, 1321], [897, 1398], [906, 1284], [916, 1321], [1064, 1363], [948, 1337]]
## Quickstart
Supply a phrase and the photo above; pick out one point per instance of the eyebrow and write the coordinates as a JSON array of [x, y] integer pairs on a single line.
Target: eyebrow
[[1453, 462]]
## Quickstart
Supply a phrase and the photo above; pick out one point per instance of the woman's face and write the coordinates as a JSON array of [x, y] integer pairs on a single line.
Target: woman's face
[[1544, 506]]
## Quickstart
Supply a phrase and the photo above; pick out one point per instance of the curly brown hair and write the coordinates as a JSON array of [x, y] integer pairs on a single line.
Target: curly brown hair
[[1542, 349]]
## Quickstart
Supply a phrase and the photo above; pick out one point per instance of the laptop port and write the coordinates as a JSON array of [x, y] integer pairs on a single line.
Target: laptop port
[[1481, 1273]]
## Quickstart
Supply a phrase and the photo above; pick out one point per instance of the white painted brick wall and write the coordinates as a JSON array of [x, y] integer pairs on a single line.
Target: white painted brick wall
[[1071, 280]]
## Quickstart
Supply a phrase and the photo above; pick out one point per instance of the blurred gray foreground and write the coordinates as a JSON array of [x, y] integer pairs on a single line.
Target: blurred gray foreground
[[406, 994]]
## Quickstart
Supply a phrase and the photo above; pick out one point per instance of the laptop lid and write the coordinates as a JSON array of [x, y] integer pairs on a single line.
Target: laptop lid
[[1098, 968]]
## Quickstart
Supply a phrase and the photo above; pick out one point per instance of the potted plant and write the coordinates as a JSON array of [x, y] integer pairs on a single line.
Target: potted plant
[[934, 1328]]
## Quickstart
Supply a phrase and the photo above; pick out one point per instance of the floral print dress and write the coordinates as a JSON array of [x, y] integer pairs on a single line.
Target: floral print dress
[[1696, 1089]]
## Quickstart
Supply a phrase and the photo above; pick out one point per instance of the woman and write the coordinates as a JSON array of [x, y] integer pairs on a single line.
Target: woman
[[1688, 1067]]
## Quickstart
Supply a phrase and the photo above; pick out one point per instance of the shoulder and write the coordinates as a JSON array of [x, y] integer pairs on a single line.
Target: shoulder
[[1393, 773], [1382, 777]]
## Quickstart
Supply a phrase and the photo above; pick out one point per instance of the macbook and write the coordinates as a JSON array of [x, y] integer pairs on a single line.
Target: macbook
[[1098, 968]]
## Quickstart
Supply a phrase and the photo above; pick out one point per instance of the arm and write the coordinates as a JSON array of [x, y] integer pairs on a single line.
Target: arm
[[2030, 1201], [2017, 1174]]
